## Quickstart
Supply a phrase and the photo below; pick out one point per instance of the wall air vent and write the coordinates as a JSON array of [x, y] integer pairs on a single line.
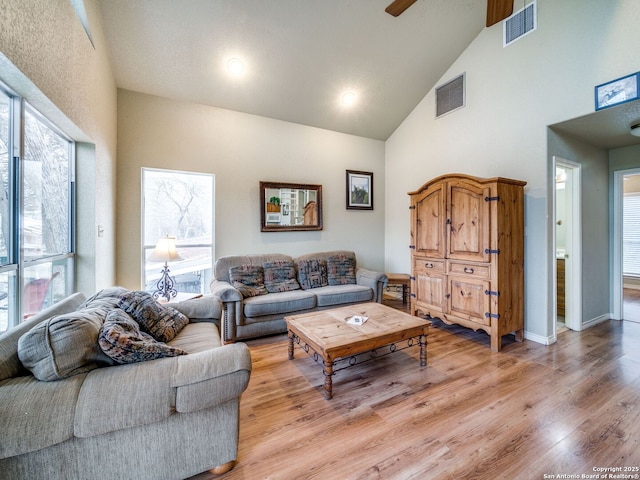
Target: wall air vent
[[450, 96], [519, 24]]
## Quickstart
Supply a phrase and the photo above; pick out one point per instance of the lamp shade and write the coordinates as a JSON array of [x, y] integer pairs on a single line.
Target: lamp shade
[[165, 251]]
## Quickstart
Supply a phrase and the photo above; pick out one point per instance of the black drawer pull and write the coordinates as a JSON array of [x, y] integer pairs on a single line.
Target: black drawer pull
[[428, 265], [468, 270]]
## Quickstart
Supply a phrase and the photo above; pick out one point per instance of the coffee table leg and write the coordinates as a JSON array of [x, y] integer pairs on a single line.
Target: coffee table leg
[[423, 350], [328, 373], [290, 346]]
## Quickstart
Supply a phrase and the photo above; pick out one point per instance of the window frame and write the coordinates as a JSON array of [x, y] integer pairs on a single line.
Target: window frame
[[17, 265], [146, 247]]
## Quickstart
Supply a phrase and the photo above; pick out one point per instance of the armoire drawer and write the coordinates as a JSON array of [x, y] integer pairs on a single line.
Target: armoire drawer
[[428, 265], [474, 269]]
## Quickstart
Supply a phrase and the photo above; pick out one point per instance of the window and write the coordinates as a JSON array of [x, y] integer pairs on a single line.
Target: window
[[631, 235], [36, 212], [178, 204]]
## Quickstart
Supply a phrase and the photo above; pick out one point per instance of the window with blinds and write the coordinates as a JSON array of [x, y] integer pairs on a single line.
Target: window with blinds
[[631, 235]]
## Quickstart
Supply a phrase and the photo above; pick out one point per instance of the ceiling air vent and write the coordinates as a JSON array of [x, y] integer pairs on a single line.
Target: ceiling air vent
[[519, 24], [450, 96]]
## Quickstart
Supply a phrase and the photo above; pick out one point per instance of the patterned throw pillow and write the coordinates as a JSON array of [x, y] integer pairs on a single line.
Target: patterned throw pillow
[[121, 339], [341, 270], [312, 274], [248, 279], [161, 322], [280, 276]]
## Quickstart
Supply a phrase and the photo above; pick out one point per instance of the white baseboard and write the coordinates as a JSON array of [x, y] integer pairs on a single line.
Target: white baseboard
[[596, 321], [534, 337]]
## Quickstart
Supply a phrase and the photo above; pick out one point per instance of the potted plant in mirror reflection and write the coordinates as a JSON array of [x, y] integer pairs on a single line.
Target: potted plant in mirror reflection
[[273, 205]]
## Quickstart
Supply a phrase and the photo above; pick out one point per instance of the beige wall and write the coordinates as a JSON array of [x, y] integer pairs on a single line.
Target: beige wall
[[47, 58], [512, 95], [241, 150]]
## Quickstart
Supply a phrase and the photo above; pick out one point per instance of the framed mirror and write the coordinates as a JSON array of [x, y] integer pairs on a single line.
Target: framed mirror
[[286, 207]]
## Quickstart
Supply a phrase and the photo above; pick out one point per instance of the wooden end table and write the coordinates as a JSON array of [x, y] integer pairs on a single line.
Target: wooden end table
[[326, 335]]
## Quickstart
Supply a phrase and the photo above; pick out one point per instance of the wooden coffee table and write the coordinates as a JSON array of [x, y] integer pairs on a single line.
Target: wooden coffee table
[[330, 338]]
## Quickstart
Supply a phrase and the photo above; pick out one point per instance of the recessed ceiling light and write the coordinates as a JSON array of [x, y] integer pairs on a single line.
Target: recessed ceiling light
[[348, 98], [235, 66]]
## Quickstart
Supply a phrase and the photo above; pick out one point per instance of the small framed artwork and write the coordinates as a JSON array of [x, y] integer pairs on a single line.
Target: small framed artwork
[[359, 190], [617, 91]]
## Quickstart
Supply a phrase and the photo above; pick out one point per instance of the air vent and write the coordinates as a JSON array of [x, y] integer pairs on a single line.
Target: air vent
[[450, 96], [520, 24]]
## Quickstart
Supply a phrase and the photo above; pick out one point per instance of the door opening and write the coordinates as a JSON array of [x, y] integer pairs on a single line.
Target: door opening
[[626, 252], [568, 246]]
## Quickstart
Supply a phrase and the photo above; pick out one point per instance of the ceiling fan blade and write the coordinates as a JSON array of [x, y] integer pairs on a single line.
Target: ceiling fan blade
[[398, 6], [498, 10]]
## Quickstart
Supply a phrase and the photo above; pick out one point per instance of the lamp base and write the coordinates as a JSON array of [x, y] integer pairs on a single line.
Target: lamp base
[[165, 286]]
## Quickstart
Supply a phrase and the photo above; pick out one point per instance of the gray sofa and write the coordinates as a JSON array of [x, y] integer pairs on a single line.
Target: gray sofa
[[245, 317], [168, 418]]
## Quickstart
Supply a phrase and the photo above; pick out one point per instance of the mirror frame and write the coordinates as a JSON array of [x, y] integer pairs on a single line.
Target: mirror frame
[[288, 228]]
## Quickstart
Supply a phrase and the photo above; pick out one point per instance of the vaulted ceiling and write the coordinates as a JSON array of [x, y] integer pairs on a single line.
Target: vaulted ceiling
[[300, 56]]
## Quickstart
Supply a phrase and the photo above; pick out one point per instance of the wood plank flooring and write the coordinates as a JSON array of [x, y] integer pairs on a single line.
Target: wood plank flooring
[[527, 411]]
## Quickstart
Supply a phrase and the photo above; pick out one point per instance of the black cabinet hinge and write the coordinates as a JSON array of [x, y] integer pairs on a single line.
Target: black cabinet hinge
[[412, 278], [492, 315], [491, 292], [413, 247], [488, 250], [412, 207], [491, 199]]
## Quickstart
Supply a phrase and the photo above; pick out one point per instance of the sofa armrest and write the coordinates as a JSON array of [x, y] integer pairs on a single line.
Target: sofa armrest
[[375, 280], [231, 308], [212, 377], [225, 291], [205, 307]]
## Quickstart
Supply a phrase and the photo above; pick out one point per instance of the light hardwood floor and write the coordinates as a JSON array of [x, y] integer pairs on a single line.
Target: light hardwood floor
[[527, 411]]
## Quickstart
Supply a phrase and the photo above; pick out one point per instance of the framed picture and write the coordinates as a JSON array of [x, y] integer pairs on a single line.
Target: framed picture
[[617, 91], [359, 190]]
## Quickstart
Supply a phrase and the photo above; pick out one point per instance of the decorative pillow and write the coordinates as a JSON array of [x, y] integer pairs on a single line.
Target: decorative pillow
[[63, 345], [312, 274], [249, 279], [161, 322], [121, 339], [341, 270], [280, 276]]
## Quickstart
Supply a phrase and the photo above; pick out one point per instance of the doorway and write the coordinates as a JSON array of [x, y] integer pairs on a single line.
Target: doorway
[[568, 245], [626, 252]]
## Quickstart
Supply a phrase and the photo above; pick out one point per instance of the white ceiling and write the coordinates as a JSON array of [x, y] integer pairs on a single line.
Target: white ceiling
[[300, 55]]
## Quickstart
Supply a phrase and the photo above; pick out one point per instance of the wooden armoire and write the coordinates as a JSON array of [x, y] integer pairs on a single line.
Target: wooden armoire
[[467, 253]]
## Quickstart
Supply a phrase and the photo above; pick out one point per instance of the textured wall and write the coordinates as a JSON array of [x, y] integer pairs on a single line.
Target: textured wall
[[241, 150], [48, 59]]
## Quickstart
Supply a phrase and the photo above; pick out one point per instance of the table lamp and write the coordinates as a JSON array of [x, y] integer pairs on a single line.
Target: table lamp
[[166, 252]]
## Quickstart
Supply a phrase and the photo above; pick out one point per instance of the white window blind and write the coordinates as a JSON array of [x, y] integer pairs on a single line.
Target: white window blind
[[631, 235]]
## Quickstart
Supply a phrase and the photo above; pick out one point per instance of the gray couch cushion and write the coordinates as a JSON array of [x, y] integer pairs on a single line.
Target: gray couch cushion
[[279, 303], [63, 346], [10, 365], [121, 339], [197, 337], [125, 396], [340, 294], [36, 414]]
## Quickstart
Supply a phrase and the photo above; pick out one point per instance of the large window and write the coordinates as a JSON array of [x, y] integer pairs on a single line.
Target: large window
[[631, 235], [180, 205], [36, 212]]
